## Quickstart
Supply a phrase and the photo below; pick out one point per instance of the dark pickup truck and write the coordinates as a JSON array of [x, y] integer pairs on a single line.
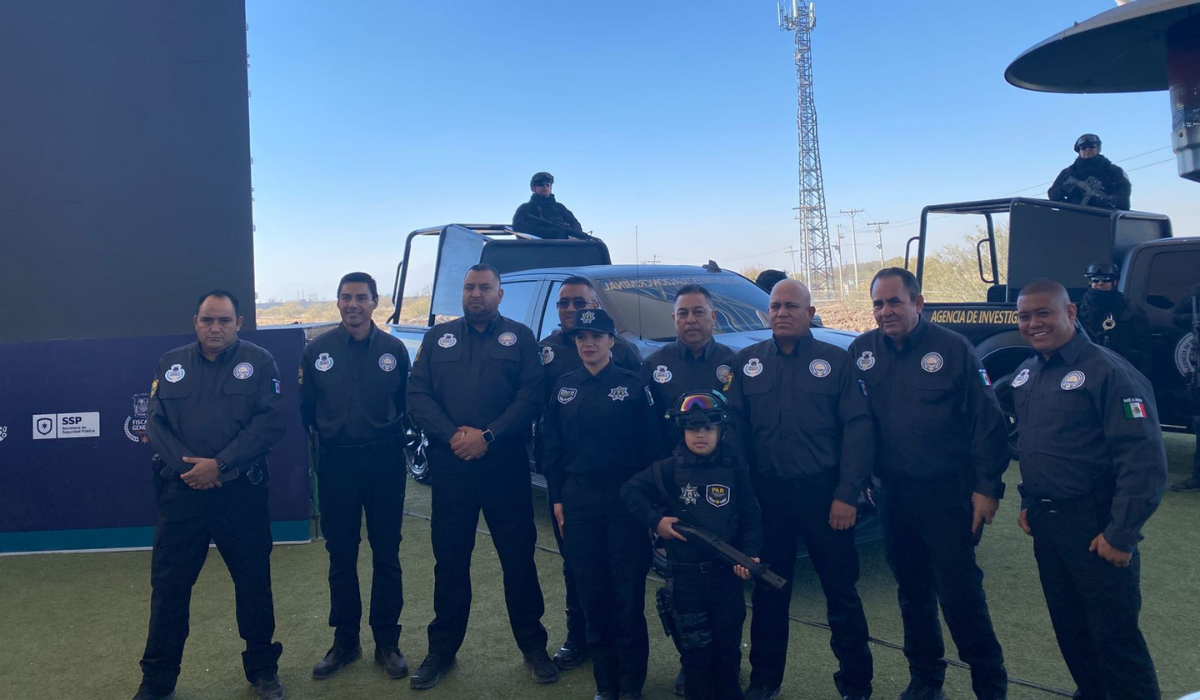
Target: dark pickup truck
[[1010, 242]]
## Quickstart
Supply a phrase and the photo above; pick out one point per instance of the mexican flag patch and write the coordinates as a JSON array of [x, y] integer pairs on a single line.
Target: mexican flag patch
[[1134, 408], [983, 377]]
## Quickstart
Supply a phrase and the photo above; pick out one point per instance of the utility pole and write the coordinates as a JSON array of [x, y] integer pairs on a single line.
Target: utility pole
[[879, 237], [792, 250], [841, 265], [853, 241]]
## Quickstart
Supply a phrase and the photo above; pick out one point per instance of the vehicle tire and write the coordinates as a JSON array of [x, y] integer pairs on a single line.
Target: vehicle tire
[[416, 455]]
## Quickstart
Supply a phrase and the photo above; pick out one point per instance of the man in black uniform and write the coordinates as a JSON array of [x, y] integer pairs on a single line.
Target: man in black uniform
[[352, 384], [1092, 179], [803, 423], [601, 429], [475, 388], [767, 279], [215, 412], [559, 356], [942, 450], [1093, 470], [543, 216], [1109, 319]]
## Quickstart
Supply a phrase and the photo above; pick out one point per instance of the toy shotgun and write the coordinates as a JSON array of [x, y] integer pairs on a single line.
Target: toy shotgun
[[731, 554]]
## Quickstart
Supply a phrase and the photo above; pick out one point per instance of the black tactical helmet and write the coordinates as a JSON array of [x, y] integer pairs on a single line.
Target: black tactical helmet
[[699, 410], [1087, 138], [1103, 270], [542, 178]]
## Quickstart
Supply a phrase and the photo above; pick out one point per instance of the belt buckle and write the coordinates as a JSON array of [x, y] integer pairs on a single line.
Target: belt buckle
[[1048, 504]]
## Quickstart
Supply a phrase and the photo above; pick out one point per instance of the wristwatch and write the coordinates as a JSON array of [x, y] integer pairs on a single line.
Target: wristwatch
[[488, 437]]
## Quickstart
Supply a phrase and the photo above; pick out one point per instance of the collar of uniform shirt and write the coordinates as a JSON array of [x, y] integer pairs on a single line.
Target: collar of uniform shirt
[[910, 341], [488, 330], [344, 336], [600, 376], [685, 352], [1070, 352], [225, 354], [802, 343]]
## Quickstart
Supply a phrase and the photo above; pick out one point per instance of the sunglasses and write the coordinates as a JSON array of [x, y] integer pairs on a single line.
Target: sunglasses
[[1088, 144], [1095, 280], [577, 302]]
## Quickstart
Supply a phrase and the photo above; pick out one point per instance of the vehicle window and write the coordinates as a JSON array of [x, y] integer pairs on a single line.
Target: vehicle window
[[647, 303], [1172, 275], [550, 314], [518, 297], [953, 256]]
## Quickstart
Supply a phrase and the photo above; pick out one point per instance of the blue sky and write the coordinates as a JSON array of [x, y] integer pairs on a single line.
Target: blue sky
[[371, 119]]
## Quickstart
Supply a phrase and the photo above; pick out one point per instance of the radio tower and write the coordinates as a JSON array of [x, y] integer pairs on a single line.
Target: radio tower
[[814, 226]]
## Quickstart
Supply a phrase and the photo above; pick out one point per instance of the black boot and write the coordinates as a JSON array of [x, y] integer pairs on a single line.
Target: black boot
[[334, 660], [431, 671], [393, 662]]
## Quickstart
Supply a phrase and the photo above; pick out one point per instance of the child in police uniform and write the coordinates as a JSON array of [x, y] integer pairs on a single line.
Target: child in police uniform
[[704, 484]]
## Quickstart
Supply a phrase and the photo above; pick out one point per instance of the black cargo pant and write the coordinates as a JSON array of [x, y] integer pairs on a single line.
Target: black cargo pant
[[576, 628], [236, 518], [931, 551], [711, 671], [1093, 605], [498, 485], [609, 553], [353, 480], [799, 508]]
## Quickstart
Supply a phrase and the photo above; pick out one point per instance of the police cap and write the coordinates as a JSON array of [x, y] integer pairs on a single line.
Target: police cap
[[1086, 139], [542, 178], [595, 320]]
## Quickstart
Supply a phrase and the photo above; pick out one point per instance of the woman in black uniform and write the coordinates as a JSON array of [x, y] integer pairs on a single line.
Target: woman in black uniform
[[601, 429]]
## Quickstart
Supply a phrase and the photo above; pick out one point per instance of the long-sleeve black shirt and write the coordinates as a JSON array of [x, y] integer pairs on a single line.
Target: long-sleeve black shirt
[[1088, 424], [599, 424], [229, 409], [702, 494], [673, 370], [802, 414], [545, 217], [352, 392], [935, 413], [489, 380]]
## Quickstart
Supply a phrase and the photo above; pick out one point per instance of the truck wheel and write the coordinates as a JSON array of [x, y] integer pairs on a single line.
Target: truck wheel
[[416, 455]]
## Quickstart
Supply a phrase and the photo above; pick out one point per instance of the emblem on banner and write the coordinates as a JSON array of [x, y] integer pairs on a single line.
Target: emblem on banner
[[135, 425], [174, 374]]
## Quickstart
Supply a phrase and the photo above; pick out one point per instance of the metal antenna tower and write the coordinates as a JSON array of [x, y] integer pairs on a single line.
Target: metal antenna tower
[[814, 225]]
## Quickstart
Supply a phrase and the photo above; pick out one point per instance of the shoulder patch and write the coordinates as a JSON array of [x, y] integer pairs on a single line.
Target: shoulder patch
[[154, 387], [1134, 408], [546, 356], [725, 376], [984, 378], [717, 495], [565, 395], [1021, 378]]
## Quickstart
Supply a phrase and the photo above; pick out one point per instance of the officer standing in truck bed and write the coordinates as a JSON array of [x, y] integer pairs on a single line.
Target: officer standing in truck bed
[[1093, 468]]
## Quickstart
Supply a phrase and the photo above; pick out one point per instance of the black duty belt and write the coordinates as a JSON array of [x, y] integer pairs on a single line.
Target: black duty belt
[[1055, 505], [390, 441], [702, 568]]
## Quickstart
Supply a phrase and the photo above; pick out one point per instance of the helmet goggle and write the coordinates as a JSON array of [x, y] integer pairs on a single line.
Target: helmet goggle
[[700, 410]]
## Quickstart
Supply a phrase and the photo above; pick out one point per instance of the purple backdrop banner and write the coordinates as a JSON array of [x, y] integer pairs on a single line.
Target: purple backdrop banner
[[74, 460]]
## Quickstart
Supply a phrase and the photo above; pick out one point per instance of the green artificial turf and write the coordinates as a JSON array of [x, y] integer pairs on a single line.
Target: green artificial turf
[[73, 625]]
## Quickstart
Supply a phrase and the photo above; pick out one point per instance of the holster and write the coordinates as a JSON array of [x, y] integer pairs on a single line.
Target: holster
[[665, 604]]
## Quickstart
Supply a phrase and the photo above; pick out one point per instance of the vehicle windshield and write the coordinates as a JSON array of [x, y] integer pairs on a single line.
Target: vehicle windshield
[[647, 303]]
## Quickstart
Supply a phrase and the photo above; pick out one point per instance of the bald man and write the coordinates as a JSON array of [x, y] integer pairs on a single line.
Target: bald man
[[1093, 471], [803, 423]]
